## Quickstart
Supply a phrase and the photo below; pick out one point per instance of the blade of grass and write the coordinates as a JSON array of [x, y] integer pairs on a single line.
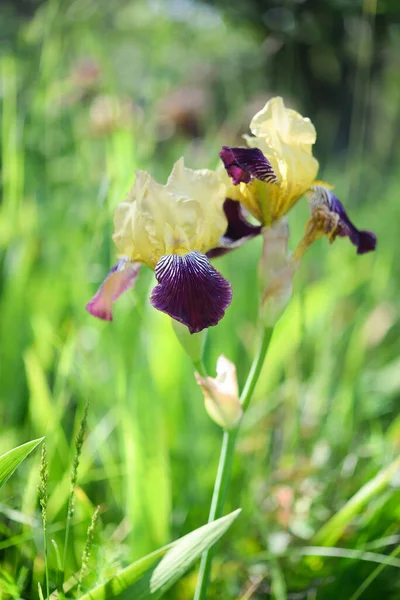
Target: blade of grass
[[377, 571], [335, 527], [353, 554], [278, 584]]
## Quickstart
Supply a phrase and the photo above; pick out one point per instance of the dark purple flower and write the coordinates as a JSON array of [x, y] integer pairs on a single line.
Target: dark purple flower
[[238, 232], [243, 164], [365, 241], [190, 290]]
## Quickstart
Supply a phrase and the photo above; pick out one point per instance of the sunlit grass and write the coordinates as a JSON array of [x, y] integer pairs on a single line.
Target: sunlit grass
[[324, 425]]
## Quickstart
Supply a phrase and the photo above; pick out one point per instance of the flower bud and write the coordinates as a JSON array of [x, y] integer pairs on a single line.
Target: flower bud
[[221, 394], [276, 270], [192, 343]]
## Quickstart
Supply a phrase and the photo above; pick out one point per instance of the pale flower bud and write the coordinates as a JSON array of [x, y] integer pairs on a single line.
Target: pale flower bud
[[276, 270], [221, 394]]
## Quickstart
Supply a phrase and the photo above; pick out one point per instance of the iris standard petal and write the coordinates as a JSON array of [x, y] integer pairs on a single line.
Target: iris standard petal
[[285, 138], [120, 279], [242, 164], [275, 119], [190, 290], [365, 241], [238, 232]]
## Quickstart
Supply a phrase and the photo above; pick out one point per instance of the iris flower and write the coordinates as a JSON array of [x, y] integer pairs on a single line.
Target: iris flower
[[271, 176], [279, 167], [170, 228]]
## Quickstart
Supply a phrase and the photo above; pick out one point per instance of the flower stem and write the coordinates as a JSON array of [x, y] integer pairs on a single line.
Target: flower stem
[[200, 368], [226, 458], [256, 367]]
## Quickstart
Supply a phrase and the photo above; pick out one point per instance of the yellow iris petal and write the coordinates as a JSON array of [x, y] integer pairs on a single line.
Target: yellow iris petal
[[286, 139], [185, 214]]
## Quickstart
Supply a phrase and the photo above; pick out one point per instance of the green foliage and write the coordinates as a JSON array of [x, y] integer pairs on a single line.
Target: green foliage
[[11, 460], [137, 581], [333, 530], [325, 423]]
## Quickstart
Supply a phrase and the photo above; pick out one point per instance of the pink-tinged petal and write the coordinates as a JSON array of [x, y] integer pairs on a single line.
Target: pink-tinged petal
[[365, 241], [238, 232], [242, 164], [190, 290], [120, 279]]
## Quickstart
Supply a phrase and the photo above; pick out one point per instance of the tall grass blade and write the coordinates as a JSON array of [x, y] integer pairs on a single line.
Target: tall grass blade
[[377, 571], [375, 557], [332, 531]]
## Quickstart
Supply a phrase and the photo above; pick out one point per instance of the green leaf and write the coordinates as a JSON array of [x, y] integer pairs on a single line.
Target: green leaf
[[151, 576], [40, 592], [12, 459], [332, 531]]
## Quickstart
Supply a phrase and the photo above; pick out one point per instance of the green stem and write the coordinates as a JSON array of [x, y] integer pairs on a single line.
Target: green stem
[[200, 367], [66, 539], [256, 367], [46, 560], [226, 458]]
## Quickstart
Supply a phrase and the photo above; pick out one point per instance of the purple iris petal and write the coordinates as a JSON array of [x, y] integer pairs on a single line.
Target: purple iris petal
[[190, 290], [119, 280], [239, 229], [242, 164], [365, 241]]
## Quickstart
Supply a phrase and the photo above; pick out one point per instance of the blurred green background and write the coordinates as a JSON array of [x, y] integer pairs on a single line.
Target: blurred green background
[[91, 90]]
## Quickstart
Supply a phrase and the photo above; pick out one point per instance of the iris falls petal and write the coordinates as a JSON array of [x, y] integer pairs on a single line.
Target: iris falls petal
[[120, 279], [238, 232], [365, 241], [190, 290], [242, 164]]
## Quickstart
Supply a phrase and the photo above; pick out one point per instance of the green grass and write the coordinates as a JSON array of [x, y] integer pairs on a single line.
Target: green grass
[[325, 424]]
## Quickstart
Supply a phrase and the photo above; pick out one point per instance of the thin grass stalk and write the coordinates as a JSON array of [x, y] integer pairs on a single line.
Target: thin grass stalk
[[88, 547], [44, 475], [74, 477], [59, 572], [226, 458]]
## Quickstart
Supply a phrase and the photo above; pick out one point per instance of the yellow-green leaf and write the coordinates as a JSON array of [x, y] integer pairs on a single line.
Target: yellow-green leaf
[[150, 577], [12, 459]]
